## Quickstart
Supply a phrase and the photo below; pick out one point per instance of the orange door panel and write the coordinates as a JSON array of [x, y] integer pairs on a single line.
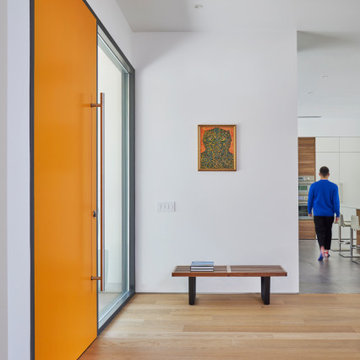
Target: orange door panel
[[64, 178]]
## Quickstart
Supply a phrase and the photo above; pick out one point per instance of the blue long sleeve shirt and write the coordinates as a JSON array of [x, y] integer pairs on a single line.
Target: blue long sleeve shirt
[[324, 199]]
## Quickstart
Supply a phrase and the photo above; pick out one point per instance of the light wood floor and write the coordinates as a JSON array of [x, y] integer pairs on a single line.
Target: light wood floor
[[163, 326]]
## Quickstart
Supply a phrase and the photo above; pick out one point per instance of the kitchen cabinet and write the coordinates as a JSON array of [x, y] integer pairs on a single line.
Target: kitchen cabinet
[[306, 155], [332, 161], [350, 177], [342, 156], [350, 144], [327, 144], [307, 229]]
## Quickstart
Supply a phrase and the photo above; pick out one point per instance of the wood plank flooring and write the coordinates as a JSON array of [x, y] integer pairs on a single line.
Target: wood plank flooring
[[164, 326]]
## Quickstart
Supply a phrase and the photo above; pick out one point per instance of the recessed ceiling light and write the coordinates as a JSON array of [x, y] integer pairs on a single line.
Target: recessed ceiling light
[[198, 6]]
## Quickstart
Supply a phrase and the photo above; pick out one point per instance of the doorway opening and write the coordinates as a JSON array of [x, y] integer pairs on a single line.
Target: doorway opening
[[114, 168], [329, 135]]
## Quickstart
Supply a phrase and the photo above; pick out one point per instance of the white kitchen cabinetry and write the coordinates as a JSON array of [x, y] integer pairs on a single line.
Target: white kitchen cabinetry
[[349, 144], [331, 160], [342, 156], [327, 144], [350, 177], [350, 181]]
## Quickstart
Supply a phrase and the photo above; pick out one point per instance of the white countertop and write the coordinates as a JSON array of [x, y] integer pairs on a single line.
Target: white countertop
[[350, 206]]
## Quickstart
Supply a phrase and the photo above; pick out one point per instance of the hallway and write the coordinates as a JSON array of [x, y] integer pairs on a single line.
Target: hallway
[[163, 326]]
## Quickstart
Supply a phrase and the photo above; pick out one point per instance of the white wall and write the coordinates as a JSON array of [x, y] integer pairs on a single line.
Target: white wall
[[328, 127], [18, 179], [246, 217], [3, 217]]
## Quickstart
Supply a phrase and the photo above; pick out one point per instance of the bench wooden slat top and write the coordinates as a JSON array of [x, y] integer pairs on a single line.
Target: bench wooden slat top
[[232, 271]]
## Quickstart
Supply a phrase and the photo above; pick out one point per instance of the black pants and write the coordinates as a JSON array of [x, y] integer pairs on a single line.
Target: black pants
[[323, 227]]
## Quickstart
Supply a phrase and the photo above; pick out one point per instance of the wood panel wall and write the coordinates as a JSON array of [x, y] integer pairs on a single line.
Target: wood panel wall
[[307, 229], [306, 157]]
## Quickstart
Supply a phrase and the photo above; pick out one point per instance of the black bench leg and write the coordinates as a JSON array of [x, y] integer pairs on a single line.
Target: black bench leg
[[265, 290], [192, 290]]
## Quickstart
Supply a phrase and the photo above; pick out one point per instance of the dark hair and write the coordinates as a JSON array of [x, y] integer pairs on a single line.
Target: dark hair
[[324, 171]]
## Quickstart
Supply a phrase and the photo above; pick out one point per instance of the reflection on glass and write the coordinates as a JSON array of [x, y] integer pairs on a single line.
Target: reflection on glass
[[113, 82]]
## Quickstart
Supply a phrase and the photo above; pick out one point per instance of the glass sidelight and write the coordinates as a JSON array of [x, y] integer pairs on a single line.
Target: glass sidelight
[[112, 179]]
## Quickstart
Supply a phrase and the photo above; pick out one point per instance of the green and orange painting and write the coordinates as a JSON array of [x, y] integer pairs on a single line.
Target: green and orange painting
[[217, 148]]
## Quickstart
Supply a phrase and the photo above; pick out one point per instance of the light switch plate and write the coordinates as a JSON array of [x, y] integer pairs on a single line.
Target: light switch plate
[[166, 206]]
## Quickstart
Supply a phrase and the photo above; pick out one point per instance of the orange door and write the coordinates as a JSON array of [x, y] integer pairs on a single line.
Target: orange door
[[64, 179]]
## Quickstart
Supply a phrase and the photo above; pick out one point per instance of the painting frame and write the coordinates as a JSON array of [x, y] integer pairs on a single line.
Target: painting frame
[[229, 158]]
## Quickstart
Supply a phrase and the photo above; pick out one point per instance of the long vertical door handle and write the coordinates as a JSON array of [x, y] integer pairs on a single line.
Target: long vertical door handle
[[102, 189], [101, 105]]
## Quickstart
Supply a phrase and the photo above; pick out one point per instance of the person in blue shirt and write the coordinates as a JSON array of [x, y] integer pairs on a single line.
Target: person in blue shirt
[[323, 203]]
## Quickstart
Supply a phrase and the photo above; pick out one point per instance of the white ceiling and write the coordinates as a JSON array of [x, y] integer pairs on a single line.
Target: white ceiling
[[328, 41], [329, 75], [329, 58], [181, 15]]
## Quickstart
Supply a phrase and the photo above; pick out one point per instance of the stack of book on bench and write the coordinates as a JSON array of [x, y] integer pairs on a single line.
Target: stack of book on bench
[[202, 266]]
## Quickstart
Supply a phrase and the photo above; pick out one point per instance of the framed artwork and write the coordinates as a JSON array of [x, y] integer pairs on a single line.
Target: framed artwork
[[217, 147]]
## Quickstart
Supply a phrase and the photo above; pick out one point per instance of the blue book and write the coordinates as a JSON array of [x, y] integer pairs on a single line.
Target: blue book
[[202, 263]]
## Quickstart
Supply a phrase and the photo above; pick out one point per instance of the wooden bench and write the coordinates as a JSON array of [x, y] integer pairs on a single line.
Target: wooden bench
[[263, 271]]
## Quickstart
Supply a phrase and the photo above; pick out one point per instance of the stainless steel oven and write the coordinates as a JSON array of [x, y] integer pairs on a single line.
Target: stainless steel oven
[[303, 212], [304, 184]]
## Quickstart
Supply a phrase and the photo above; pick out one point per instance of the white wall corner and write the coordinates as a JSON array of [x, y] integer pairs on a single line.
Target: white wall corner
[[3, 174], [18, 179]]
